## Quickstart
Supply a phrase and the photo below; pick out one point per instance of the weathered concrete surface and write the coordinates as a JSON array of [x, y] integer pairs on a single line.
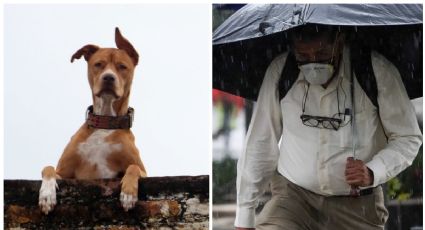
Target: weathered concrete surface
[[164, 203]]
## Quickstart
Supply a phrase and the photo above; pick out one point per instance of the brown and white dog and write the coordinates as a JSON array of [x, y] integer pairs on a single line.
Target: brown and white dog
[[104, 146]]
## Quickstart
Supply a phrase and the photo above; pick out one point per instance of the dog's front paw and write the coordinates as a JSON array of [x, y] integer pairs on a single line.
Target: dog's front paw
[[47, 196], [128, 201], [128, 196]]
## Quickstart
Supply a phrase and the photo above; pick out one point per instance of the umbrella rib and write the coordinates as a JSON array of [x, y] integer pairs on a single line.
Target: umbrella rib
[[234, 31]]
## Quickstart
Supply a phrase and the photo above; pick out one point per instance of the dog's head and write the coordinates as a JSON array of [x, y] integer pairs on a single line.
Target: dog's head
[[110, 70]]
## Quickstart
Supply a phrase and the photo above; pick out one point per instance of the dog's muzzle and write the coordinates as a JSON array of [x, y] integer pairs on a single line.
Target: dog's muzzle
[[108, 85], [108, 80]]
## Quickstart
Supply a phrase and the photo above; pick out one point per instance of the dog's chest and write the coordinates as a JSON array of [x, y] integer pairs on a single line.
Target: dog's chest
[[95, 151]]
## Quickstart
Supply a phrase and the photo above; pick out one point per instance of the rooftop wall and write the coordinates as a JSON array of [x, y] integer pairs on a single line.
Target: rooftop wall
[[164, 203]]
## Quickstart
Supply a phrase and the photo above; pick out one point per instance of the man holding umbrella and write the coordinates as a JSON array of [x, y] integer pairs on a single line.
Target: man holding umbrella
[[324, 145]]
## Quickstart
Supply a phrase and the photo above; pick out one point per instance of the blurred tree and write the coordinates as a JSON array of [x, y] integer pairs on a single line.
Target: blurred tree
[[408, 184], [224, 180]]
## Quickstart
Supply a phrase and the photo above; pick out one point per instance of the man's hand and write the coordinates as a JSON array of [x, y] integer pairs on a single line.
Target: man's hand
[[357, 174]]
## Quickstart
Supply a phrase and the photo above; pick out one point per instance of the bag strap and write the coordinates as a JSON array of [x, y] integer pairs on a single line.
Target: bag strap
[[288, 75], [361, 62]]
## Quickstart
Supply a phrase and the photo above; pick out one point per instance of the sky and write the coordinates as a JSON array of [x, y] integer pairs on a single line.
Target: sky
[[45, 95]]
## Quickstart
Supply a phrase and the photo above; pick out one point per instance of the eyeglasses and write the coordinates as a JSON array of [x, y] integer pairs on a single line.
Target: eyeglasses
[[321, 122], [335, 122]]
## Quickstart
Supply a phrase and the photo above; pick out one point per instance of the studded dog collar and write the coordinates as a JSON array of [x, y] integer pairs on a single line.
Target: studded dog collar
[[109, 122]]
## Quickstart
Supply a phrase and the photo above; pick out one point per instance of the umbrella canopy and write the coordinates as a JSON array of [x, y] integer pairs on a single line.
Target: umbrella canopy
[[246, 43]]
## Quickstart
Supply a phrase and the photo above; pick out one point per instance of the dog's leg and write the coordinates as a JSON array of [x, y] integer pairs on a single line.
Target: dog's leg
[[47, 196], [129, 186]]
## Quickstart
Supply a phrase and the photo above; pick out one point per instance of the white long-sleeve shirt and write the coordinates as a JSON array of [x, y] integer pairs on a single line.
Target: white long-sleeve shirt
[[314, 158]]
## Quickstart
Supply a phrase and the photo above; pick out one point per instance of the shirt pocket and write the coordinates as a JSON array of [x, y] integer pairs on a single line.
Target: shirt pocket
[[346, 135]]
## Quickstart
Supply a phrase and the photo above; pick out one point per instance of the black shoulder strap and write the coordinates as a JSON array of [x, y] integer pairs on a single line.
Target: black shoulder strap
[[288, 76], [361, 61]]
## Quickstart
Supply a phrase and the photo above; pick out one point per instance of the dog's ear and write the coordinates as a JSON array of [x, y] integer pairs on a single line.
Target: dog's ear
[[87, 51], [123, 44]]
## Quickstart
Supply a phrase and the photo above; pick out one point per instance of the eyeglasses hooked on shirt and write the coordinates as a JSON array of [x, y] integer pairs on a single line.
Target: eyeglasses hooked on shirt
[[321, 122], [334, 123]]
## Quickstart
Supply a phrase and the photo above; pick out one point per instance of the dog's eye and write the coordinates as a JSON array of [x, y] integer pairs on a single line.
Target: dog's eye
[[98, 64], [122, 67]]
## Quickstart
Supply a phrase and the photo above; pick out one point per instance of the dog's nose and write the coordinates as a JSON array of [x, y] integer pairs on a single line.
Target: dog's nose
[[108, 78]]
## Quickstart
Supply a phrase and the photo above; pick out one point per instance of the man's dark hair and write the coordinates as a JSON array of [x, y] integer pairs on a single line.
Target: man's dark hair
[[311, 32]]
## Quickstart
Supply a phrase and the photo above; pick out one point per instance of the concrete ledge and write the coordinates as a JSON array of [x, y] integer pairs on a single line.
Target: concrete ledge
[[164, 202]]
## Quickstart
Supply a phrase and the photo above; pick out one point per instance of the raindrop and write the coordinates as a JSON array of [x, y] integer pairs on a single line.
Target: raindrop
[[317, 28], [231, 59], [288, 47], [355, 28], [287, 82], [242, 67], [416, 41], [269, 53]]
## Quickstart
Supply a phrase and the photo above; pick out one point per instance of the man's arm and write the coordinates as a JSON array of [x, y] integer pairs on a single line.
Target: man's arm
[[259, 159], [398, 120]]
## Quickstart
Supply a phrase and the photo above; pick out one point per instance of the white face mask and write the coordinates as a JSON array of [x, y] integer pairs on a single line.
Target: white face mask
[[317, 73]]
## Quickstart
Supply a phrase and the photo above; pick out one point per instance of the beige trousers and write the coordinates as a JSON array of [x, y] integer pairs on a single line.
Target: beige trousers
[[294, 208]]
